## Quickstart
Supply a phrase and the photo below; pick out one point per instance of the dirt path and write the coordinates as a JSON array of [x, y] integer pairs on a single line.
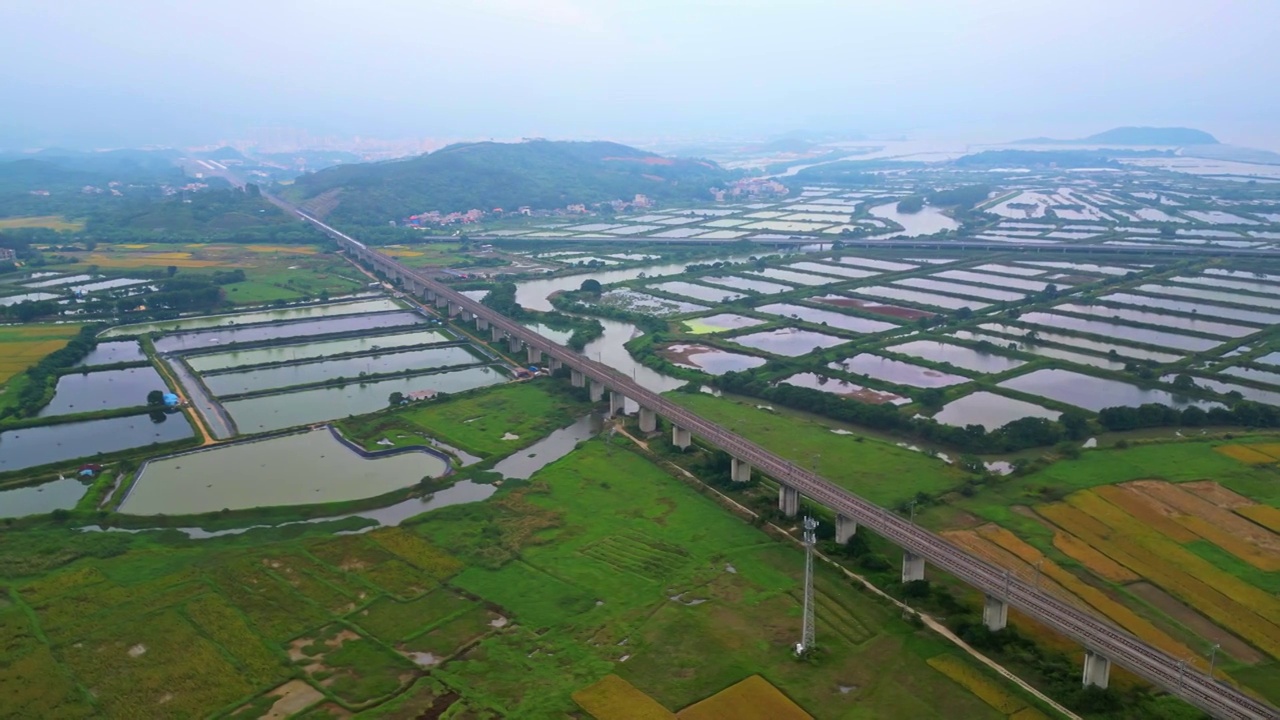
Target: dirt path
[[207, 438], [928, 620]]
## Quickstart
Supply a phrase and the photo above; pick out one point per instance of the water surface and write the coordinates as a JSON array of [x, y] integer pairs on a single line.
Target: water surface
[[311, 350], [103, 390], [710, 360], [928, 221], [836, 386], [304, 312], [60, 494], [790, 342], [958, 355], [831, 318], [896, 371], [1130, 333], [281, 376], [304, 328], [1094, 393], [110, 353], [990, 411], [29, 447]]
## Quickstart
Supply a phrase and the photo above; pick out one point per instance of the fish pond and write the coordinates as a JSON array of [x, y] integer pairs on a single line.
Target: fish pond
[[958, 355], [990, 411], [103, 390], [1093, 393], [60, 494], [843, 388], [312, 350], [790, 342], [719, 323], [305, 312], [29, 447], [897, 371], [181, 342], [281, 376], [831, 318], [710, 360]]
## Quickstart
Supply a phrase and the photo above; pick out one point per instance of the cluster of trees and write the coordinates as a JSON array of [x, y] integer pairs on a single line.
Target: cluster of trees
[[502, 297], [42, 377], [911, 204], [1244, 413], [964, 197]]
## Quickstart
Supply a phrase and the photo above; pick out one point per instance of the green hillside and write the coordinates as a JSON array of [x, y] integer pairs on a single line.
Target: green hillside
[[541, 174]]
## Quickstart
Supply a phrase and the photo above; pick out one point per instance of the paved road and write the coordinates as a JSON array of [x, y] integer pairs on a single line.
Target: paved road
[[1173, 674]]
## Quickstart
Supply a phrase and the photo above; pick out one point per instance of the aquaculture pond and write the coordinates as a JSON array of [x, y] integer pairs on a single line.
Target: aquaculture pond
[[304, 312], [648, 304], [952, 288], [1259, 376], [1196, 308], [1207, 327], [29, 447], [284, 410], [110, 353], [741, 283], [834, 319], [311, 350], [1093, 393], [794, 278], [1212, 295], [304, 328], [920, 298], [103, 390], [874, 308], [790, 342], [533, 294], [996, 280], [896, 371], [885, 265], [958, 355], [1130, 333], [60, 494], [26, 297], [697, 292], [1266, 397], [304, 468], [838, 270], [281, 376], [710, 360], [990, 411], [1077, 342], [836, 386], [719, 323]]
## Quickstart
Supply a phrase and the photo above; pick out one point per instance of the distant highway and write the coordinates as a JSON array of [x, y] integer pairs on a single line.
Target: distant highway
[[1097, 635]]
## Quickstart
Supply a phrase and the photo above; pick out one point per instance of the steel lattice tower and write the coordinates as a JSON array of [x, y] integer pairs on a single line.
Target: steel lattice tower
[[806, 634]]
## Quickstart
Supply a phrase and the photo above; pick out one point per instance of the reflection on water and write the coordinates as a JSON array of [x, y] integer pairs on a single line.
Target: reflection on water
[[29, 447], [62, 493], [928, 221], [530, 460]]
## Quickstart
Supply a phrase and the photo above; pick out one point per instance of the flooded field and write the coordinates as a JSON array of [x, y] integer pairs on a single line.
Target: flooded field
[[790, 342], [29, 447], [305, 312], [277, 412], [951, 288], [1207, 327], [836, 386], [1080, 267], [1259, 376], [41, 499], [1196, 293], [1034, 286], [1130, 333], [958, 355], [920, 298], [710, 360], [1217, 282], [103, 390], [1105, 348], [720, 323], [64, 280], [1011, 270], [1266, 397], [312, 350], [896, 371], [1093, 393], [26, 297], [838, 270], [827, 317], [1197, 308], [282, 376], [106, 285], [990, 411], [698, 292], [885, 265], [305, 328], [896, 311], [110, 353], [306, 468], [760, 286], [795, 278]]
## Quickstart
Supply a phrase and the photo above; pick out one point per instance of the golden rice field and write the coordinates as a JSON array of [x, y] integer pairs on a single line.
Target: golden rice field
[[978, 684], [1251, 454], [752, 699], [24, 346], [52, 222], [1143, 527], [401, 253], [153, 260], [613, 698]]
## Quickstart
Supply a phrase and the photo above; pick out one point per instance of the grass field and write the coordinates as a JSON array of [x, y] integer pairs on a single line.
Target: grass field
[[477, 422], [52, 222], [23, 346], [878, 471]]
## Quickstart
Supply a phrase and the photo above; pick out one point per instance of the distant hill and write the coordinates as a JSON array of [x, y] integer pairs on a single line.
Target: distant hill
[[1134, 136], [541, 174]]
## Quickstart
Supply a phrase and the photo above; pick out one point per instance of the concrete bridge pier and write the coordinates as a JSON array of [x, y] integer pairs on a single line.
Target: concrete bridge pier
[[739, 470], [648, 420], [788, 500], [515, 344], [912, 567], [454, 309], [1097, 670], [577, 379], [553, 363], [597, 391], [617, 403], [497, 334], [845, 528], [535, 355], [468, 316], [481, 323], [442, 301], [995, 614], [680, 437]]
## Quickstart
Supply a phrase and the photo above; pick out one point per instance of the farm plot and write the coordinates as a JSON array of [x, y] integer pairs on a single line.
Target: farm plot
[[25, 345]]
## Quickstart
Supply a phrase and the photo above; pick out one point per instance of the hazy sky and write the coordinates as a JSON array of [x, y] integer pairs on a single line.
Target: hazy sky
[[116, 72]]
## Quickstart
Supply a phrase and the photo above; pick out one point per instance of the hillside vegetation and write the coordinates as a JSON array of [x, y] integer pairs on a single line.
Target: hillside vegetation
[[541, 174]]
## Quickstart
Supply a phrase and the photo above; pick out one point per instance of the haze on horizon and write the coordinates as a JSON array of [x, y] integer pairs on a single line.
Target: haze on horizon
[[84, 74]]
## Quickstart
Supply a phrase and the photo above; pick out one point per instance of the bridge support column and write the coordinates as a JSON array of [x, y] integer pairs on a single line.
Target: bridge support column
[[995, 614], [497, 333], [467, 316], [1097, 670], [912, 567], [680, 437], [617, 403], [553, 363], [454, 309], [577, 379], [597, 391], [535, 355], [514, 343], [788, 500], [648, 420], [442, 301], [739, 470], [845, 528], [481, 323]]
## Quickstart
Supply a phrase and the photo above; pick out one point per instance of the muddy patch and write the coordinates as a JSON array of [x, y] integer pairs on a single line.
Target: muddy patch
[[1195, 622], [294, 697], [874, 308]]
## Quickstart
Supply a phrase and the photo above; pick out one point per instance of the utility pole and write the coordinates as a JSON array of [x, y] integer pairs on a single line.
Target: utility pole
[[806, 643], [1213, 656]]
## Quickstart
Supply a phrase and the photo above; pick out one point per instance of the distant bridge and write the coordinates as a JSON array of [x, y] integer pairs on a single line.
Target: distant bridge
[[1104, 643]]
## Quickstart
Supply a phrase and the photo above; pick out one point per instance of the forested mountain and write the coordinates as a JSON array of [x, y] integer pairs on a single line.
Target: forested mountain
[[1135, 136], [541, 174]]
